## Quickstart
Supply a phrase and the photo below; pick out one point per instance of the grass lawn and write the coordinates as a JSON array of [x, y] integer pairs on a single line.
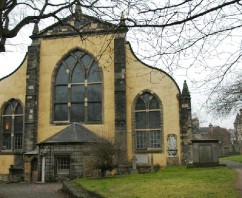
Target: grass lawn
[[172, 182], [237, 158]]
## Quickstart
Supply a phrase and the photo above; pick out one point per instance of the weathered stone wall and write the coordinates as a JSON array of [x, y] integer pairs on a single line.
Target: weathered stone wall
[[31, 100], [78, 160], [120, 95]]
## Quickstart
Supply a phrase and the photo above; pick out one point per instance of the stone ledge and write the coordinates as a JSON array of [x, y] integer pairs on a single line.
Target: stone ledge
[[78, 191]]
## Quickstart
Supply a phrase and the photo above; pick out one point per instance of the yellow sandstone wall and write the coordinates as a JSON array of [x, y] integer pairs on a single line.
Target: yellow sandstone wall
[[140, 77], [5, 162], [52, 51], [17, 84]]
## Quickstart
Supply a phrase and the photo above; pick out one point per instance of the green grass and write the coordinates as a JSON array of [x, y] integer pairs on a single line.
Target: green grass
[[172, 182], [237, 158]]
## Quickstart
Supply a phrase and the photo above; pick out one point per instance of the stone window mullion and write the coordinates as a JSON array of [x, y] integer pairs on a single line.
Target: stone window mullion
[[83, 70], [69, 100], [86, 101]]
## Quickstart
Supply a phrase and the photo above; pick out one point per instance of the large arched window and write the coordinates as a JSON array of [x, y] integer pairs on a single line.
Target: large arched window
[[78, 89], [147, 122], [12, 125]]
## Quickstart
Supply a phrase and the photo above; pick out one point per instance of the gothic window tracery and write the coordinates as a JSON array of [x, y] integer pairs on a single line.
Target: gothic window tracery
[[147, 122], [78, 89]]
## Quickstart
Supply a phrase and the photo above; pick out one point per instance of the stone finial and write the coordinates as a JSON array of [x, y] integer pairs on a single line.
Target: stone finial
[[185, 90], [36, 28], [78, 10], [122, 19]]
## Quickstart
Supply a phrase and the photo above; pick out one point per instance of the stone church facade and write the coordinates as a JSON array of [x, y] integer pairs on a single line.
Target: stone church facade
[[73, 88]]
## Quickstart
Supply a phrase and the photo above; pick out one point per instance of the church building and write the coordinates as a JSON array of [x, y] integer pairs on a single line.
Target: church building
[[79, 85]]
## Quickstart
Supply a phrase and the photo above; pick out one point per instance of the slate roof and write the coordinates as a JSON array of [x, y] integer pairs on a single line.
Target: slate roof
[[74, 133]]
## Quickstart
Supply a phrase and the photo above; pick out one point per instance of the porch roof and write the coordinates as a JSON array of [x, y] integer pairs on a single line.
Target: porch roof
[[74, 133]]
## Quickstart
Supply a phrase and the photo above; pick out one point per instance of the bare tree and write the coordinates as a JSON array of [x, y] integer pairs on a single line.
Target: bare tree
[[104, 155], [15, 14], [227, 99]]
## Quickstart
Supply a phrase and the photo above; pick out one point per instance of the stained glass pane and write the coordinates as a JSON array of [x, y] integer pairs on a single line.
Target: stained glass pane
[[77, 93], [95, 74], [77, 112], [140, 140], [18, 141], [147, 97], [7, 124], [8, 110], [94, 111], [6, 141], [155, 139], [61, 94], [70, 62], [78, 75], [18, 124], [154, 120], [19, 109], [140, 105], [79, 53], [94, 93], [61, 112], [87, 61], [154, 104], [140, 120], [61, 76]]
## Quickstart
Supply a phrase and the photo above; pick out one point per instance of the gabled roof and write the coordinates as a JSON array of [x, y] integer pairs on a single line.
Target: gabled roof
[[78, 24], [74, 133]]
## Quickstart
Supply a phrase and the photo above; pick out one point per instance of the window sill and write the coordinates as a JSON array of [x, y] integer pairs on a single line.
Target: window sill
[[150, 150], [10, 152], [67, 122]]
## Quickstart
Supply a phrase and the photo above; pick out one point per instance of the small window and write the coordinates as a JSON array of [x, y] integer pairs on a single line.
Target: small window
[[63, 165], [147, 122]]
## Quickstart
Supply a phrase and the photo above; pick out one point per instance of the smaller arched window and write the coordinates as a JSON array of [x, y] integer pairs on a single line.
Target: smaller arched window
[[147, 122], [12, 125]]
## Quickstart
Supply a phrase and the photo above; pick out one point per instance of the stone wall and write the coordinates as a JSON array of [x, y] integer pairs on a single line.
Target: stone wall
[[80, 159]]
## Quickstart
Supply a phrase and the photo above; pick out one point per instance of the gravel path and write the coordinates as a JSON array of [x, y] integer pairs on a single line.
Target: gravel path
[[238, 167], [28, 190]]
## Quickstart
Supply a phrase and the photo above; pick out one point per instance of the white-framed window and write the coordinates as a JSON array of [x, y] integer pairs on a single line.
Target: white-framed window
[[63, 164]]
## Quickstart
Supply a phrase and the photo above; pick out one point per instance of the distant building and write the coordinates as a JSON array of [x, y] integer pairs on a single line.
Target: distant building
[[238, 127], [213, 133]]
